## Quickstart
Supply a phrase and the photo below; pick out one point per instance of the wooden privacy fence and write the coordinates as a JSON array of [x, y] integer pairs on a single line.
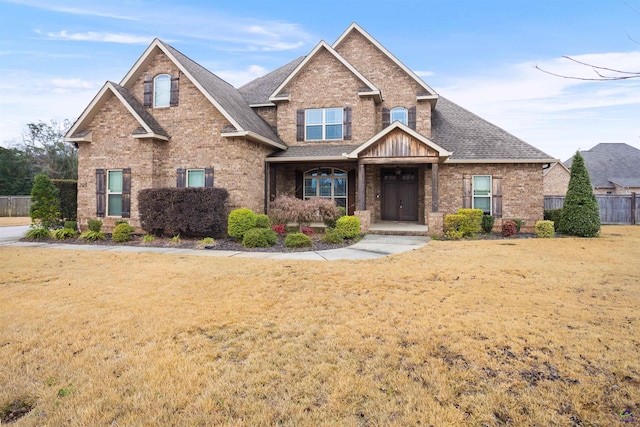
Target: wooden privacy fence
[[15, 205], [614, 209]]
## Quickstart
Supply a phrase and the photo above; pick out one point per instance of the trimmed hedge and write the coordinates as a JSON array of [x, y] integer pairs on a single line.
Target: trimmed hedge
[[452, 226], [545, 229], [298, 240], [262, 221], [190, 212], [580, 213], [259, 238], [94, 225], [553, 215], [348, 226], [509, 229], [241, 221], [68, 196], [487, 223], [122, 232], [472, 221]]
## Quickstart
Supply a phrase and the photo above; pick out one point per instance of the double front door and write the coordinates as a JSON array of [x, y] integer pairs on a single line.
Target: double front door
[[399, 194]]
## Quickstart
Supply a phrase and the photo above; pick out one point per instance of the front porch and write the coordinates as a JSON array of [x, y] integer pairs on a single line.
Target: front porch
[[397, 228]]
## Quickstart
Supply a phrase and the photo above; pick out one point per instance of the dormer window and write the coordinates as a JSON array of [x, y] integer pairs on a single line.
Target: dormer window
[[400, 114], [161, 90]]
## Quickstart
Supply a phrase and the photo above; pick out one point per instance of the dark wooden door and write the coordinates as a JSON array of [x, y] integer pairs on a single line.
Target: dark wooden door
[[399, 195]]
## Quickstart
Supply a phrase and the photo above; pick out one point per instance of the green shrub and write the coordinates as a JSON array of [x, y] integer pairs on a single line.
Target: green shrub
[[240, 221], [348, 226], [545, 229], [37, 232], [45, 205], [452, 226], [175, 239], [92, 236], [487, 223], [148, 238], [472, 221], [580, 212], [63, 233], [519, 224], [122, 232], [68, 197], [259, 238], [73, 225], [207, 241], [120, 221], [95, 225], [509, 229], [553, 215], [262, 221], [298, 240], [332, 236]]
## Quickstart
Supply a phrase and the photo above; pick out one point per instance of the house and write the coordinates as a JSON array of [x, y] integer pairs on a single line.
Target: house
[[614, 168], [555, 179], [348, 121]]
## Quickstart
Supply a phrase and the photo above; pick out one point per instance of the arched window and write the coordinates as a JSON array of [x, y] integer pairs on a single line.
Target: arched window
[[401, 114], [162, 90], [329, 183]]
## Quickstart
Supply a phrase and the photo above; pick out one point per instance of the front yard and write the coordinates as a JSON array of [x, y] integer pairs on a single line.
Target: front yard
[[485, 332]]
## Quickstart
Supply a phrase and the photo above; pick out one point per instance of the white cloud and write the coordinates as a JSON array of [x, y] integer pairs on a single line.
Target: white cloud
[[239, 77], [72, 84], [85, 10], [93, 36]]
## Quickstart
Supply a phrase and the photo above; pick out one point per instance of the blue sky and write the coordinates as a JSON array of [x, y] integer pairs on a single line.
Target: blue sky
[[55, 55]]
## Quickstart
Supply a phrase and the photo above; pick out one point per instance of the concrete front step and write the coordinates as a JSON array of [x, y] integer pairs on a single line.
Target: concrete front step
[[399, 229]]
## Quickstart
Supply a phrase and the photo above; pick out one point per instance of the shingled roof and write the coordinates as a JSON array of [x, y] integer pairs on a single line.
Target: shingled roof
[[226, 95], [612, 163], [471, 138], [148, 119], [257, 91]]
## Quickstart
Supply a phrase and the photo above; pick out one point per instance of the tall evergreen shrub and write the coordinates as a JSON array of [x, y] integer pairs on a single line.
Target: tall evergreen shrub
[[580, 214], [45, 205]]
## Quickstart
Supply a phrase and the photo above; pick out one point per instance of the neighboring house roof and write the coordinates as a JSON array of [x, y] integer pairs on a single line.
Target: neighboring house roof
[[429, 93], [611, 164], [553, 165], [472, 139], [257, 92], [149, 127], [368, 90]]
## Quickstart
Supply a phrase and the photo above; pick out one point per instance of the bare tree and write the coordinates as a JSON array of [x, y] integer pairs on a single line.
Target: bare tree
[[602, 73]]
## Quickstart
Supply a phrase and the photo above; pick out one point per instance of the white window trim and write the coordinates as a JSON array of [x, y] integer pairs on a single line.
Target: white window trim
[[489, 196], [324, 124], [110, 193], [333, 197], [406, 115], [155, 82], [194, 170]]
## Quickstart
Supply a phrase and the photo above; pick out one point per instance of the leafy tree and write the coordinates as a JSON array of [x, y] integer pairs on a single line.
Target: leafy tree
[[45, 206], [16, 177], [43, 143], [580, 214]]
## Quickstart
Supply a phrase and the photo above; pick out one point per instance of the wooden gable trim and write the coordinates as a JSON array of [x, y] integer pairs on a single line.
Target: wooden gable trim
[[278, 96]]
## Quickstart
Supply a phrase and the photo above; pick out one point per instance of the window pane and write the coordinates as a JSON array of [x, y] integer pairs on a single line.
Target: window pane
[[115, 182], [481, 185], [334, 115], [399, 114], [195, 178], [310, 187], [162, 91], [483, 203], [334, 131], [325, 187], [314, 132], [341, 202], [340, 187], [337, 172], [115, 205], [325, 172], [314, 117]]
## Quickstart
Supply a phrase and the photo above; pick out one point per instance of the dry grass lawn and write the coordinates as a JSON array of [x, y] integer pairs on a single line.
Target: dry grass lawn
[[483, 333], [13, 221]]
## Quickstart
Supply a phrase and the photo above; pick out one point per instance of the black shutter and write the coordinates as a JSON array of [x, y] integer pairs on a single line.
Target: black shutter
[[173, 102], [412, 118], [208, 177], [300, 125], [299, 185], [100, 194], [126, 193], [386, 118], [180, 178], [347, 123], [148, 91]]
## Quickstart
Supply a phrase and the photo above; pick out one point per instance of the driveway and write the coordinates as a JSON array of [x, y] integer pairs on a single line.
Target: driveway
[[12, 234]]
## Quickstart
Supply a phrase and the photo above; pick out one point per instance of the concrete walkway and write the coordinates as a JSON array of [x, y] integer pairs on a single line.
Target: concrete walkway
[[371, 246]]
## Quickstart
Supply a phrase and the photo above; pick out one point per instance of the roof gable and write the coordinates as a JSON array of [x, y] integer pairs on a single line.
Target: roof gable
[[369, 88], [428, 94], [221, 94], [149, 127]]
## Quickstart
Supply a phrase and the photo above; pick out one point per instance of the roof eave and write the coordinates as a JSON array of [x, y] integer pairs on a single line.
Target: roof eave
[[255, 137], [501, 160], [306, 159], [151, 135]]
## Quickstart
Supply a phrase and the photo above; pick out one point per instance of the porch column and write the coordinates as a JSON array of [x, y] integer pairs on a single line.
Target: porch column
[[435, 202], [362, 205]]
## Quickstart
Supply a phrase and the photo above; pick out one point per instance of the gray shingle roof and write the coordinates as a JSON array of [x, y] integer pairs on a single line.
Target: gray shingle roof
[[317, 151], [610, 163], [148, 119], [227, 96], [258, 91], [470, 137]]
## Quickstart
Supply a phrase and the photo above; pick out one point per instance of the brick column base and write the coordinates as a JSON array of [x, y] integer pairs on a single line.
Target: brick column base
[[365, 220], [436, 224]]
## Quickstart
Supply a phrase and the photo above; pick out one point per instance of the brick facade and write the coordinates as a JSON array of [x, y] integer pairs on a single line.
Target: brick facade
[[556, 181]]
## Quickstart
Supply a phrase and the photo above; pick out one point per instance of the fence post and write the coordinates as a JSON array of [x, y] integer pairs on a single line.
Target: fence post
[[633, 208]]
